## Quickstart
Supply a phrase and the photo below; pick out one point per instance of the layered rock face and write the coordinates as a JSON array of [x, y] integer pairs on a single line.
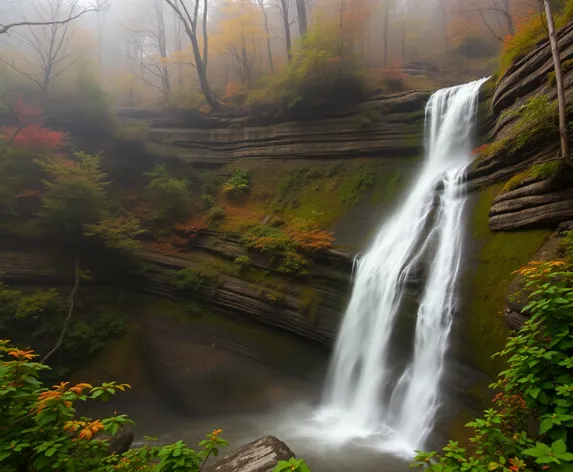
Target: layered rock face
[[534, 201], [383, 125], [517, 297], [310, 307]]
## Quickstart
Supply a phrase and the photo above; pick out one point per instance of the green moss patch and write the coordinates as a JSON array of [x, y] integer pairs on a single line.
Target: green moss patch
[[495, 257]]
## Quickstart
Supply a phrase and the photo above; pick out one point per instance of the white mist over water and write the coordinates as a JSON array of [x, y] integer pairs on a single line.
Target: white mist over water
[[362, 397]]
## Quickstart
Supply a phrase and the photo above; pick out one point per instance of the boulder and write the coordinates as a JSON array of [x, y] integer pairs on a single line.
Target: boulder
[[121, 442], [261, 455]]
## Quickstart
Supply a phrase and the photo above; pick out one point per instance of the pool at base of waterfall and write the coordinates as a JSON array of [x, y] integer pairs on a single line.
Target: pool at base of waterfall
[[307, 436]]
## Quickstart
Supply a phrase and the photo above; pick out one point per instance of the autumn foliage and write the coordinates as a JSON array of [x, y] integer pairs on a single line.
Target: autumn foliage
[[44, 429], [29, 134]]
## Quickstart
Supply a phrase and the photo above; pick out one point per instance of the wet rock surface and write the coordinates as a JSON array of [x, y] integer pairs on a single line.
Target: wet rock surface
[[517, 293], [261, 455]]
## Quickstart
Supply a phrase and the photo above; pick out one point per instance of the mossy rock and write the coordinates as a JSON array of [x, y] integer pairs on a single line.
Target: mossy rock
[[493, 259]]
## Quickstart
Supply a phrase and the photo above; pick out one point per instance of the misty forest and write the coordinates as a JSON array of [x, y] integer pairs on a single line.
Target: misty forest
[[286, 235]]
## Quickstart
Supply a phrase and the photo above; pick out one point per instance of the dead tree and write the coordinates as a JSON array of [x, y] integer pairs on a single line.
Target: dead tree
[[98, 7], [48, 39], [559, 84], [189, 21]]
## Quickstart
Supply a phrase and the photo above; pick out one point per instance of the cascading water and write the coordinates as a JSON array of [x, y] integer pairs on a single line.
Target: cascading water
[[360, 396]]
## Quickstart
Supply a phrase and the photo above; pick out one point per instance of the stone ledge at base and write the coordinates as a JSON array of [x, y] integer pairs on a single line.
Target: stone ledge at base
[[261, 455]]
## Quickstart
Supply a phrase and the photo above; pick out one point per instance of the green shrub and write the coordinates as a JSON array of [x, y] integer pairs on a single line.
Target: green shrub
[[216, 215], [316, 73], [238, 185], [169, 197], [538, 115], [30, 318], [117, 232], [242, 262], [537, 386], [193, 280], [207, 201], [44, 428], [567, 246], [295, 180], [74, 193]]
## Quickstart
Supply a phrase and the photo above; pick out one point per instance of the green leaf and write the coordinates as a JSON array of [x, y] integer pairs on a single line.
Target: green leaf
[[559, 446]]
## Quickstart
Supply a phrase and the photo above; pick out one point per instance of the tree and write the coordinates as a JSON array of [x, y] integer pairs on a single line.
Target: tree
[[301, 12], [189, 21], [100, 6], [152, 49], [238, 31], [48, 39], [559, 84], [169, 196], [491, 9], [387, 8], [74, 193], [283, 7], [262, 6]]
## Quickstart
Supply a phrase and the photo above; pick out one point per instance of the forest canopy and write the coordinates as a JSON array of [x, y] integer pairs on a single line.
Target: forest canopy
[[227, 53]]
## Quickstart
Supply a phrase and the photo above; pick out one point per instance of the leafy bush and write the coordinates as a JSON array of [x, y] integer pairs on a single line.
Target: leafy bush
[[529, 31], [539, 114], [295, 180], [242, 262], [538, 382], [43, 429], [207, 201], [216, 215], [193, 280], [74, 192], [30, 318], [168, 196], [117, 232], [289, 246], [238, 185], [315, 73]]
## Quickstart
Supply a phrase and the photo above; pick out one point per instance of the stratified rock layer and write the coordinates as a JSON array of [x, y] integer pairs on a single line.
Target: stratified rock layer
[[535, 203], [390, 126]]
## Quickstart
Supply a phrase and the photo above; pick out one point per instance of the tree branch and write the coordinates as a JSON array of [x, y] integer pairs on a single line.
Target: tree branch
[[70, 310], [5, 28]]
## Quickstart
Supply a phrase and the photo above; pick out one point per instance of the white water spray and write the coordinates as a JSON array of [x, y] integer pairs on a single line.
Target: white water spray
[[360, 397]]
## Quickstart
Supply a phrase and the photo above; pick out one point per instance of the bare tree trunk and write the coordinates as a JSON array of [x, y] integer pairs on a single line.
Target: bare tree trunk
[[205, 37], [386, 32], [267, 33], [301, 12], [162, 45], [507, 16], [559, 84], [190, 24], [286, 24], [70, 310]]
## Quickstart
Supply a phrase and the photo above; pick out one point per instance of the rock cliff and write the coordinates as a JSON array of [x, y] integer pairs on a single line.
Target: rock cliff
[[534, 200], [383, 125]]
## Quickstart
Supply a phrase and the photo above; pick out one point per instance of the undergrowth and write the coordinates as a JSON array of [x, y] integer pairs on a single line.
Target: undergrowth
[[529, 31], [539, 114]]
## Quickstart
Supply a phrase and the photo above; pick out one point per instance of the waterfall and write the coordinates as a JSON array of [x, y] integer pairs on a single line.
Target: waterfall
[[362, 396]]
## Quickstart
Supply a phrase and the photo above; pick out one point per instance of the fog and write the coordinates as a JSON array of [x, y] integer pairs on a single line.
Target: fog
[[142, 52]]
